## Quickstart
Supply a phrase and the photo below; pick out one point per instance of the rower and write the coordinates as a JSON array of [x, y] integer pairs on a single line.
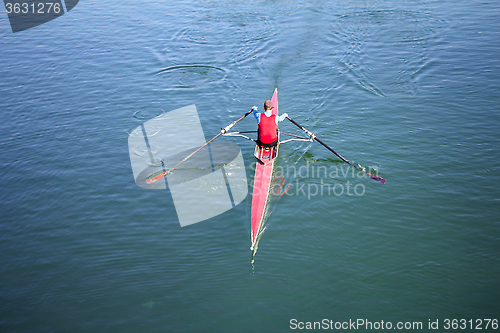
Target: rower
[[268, 125]]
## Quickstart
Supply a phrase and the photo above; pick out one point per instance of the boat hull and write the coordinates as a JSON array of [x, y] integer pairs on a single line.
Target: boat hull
[[262, 182]]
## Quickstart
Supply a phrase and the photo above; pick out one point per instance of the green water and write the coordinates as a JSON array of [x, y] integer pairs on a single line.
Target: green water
[[409, 87]]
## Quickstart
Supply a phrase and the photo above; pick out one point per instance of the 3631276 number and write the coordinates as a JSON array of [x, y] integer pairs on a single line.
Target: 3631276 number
[[471, 324], [33, 8], [26, 14]]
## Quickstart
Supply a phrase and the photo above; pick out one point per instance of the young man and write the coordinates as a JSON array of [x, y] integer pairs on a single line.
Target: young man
[[268, 125]]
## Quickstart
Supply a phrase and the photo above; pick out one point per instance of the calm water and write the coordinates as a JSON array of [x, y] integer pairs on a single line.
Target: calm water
[[410, 87]]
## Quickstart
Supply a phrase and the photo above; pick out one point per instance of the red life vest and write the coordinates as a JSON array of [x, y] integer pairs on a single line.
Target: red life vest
[[268, 130]]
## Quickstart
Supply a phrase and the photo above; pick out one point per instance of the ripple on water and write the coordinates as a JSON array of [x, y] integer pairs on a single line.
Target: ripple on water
[[368, 38], [190, 76], [203, 50]]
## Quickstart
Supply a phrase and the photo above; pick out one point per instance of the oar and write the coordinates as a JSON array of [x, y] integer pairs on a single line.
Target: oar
[[222, 131], [312, 135]]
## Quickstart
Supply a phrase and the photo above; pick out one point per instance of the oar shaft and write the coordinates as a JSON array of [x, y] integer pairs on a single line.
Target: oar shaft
[[222, 131], [302, 128], [377, 178], [318, 140], [338, 155]]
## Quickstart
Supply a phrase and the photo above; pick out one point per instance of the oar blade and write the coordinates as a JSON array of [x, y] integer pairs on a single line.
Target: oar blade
[[152, 178], [377, 178]]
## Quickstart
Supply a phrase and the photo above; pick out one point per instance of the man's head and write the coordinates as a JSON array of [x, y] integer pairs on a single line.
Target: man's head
[[268, 105]]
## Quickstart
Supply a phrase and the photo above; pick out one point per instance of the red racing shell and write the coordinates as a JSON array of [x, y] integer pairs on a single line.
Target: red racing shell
[[268, 130]]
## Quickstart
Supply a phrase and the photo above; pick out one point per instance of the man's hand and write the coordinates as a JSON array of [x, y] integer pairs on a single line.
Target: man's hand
[[285, 114], [254, 108]]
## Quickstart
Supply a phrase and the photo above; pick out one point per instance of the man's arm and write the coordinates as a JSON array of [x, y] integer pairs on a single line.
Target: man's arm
[[256, 114], [281, 118]]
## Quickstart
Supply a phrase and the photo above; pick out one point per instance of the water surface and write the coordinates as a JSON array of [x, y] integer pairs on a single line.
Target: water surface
[[410, 87]]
